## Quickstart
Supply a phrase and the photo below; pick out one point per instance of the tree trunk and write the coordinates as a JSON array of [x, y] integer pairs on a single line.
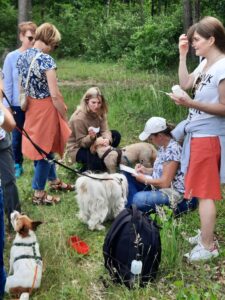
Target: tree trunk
[[159, 6], [152, 8], [196, 11], [107, 8], [24, 10], [24, 13], [187, 12]]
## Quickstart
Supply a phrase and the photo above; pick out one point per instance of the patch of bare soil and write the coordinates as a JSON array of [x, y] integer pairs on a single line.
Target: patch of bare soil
[[89, 82], [77, 83]]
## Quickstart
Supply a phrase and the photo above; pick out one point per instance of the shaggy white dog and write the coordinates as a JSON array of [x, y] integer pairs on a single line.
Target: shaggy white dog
[[98, 199]]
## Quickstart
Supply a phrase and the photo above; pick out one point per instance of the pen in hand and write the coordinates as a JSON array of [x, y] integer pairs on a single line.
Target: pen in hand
[[139, 168]]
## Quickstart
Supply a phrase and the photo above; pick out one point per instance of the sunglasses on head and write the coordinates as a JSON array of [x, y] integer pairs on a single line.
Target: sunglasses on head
[[30, 38]]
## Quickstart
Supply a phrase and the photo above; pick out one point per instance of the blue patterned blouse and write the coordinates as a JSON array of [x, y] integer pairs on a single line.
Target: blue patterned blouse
[[171, 153], [38, 85]]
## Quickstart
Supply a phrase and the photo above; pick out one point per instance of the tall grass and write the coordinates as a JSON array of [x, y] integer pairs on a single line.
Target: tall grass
[[132, 98]]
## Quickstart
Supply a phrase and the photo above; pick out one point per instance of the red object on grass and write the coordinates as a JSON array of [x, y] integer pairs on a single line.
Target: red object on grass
[[80, 246]]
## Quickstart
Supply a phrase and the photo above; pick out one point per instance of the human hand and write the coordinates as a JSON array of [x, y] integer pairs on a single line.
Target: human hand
[[183, 45], [105, 142], [139, 177], [139, 168], [92, 133], [185, 100]]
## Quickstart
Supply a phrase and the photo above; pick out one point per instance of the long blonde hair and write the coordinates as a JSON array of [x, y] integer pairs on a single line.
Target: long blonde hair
[[93, 92]]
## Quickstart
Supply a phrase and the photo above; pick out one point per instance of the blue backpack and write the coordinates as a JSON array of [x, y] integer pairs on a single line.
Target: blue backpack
[[132, 248]]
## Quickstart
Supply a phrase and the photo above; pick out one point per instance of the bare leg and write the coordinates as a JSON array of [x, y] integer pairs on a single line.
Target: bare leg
[[207, 212]]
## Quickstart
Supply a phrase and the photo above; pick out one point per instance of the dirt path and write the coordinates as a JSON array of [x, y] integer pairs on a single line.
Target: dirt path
[[124, 83], [78, 83]]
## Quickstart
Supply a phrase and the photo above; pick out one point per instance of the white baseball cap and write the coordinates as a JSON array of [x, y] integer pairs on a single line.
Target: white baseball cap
[[153, 125]]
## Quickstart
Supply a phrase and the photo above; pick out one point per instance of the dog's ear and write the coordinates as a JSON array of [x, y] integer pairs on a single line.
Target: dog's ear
[[24, 231], [35, 224], [93, 148]]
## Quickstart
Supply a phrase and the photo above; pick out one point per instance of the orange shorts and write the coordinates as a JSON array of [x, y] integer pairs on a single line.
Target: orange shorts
[[203, 175]]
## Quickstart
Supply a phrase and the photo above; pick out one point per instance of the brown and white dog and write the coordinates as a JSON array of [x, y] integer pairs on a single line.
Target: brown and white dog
[[144, 153], [25, 260]]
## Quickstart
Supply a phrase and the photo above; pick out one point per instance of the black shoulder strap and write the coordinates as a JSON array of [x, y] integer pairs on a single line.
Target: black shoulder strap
[[118, 223]]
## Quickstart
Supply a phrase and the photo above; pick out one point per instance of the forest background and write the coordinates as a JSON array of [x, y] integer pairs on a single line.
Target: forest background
[[142, 34], [128, 49]]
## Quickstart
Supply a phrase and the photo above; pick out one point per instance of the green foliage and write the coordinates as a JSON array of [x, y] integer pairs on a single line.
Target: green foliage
[[155, 43], [111, 36], [143, 34], [8, 23], [214, 8]]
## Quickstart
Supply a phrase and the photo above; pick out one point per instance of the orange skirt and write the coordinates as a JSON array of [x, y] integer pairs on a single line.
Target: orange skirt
[[203, 175], [46, 128]]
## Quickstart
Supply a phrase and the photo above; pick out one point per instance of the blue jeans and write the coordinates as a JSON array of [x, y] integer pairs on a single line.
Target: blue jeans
[[43, 171], [17, 135], [9, 187], [146, 200], [2, 270], [134, 187]]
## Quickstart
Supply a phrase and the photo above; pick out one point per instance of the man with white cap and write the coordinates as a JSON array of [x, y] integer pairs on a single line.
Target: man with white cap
[[164, 183]]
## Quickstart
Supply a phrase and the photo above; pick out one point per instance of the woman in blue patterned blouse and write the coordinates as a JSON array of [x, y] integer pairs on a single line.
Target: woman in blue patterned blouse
[[45, 120], [164, 183]]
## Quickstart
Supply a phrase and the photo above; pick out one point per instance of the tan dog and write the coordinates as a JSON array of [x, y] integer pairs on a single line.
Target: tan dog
[[25, 261], [144, 153]]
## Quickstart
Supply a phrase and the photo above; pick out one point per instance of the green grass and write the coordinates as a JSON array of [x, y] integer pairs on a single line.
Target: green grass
[[133, 98]]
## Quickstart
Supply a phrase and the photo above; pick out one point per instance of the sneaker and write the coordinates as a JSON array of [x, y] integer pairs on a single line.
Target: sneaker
[[199, 252], [194, 240], [18, 170]]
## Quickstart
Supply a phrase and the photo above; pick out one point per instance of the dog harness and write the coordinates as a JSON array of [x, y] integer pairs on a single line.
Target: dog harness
[[35, 257], [119, 151]]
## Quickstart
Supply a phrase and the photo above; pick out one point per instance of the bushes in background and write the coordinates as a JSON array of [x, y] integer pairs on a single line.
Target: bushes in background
[[125, 30]]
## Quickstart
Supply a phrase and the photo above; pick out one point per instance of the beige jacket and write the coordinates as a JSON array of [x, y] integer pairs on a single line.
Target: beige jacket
[[79, 138]]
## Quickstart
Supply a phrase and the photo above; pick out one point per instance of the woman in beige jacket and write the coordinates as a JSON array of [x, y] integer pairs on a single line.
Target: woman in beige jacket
[[87, 123]]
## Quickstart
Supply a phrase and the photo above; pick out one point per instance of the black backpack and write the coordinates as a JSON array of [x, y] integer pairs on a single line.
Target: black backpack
[[133, 242]]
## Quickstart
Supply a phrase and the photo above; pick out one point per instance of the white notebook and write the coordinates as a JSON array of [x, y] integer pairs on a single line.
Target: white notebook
[[132, 170]]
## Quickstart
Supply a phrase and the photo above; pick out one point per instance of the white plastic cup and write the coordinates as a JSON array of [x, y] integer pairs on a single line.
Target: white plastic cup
[[177, 91]]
